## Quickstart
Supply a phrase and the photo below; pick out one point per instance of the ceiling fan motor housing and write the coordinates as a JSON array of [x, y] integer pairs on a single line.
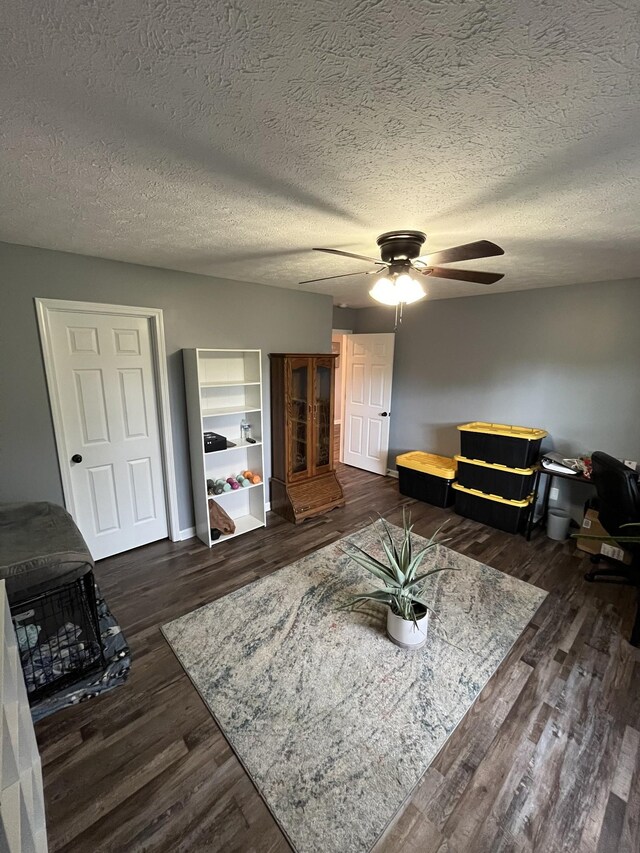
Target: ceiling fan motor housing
[[400, 245]]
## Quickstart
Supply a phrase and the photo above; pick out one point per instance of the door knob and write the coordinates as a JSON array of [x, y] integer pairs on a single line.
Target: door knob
[[384, 414], [76, 457]]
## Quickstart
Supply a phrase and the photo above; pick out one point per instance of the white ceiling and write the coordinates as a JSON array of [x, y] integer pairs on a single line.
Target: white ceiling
[[229, 138]]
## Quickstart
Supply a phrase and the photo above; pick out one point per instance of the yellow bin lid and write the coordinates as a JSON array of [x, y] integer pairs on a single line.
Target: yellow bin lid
[[496, 498], [495, 465], [429, 463], [528, 433]]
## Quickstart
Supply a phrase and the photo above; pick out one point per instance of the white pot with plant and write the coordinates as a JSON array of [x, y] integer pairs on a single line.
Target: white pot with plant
[[403, 592]]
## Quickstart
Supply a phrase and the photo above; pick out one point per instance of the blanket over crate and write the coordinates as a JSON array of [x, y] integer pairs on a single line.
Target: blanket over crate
[[40, 547]]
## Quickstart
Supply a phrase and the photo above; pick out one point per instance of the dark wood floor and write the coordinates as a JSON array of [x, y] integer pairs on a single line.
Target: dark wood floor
[[547, 759]]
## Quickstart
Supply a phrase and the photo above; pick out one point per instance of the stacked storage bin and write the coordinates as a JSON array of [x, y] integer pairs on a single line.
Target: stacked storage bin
[[427, 477], [496, 473]]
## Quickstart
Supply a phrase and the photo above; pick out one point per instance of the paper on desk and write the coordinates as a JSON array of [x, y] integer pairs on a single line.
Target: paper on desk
[[557, 467], [553, 461]]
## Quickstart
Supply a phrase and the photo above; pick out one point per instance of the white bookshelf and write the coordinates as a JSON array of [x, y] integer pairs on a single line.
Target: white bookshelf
[[22, 821], [223, 387]]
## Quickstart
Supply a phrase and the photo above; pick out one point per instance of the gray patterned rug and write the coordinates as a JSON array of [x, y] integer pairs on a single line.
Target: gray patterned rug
[[334, 724]]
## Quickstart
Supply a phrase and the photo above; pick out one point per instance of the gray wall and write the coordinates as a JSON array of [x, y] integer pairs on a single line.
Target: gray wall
[[344, 318], [566, 359], [199, 311]]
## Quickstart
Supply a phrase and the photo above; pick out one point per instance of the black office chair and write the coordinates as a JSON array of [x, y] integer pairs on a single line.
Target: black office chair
[[619, 502]]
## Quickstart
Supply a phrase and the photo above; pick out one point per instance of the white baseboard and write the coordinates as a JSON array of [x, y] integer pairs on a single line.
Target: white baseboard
[[267, 506], [392, 473]]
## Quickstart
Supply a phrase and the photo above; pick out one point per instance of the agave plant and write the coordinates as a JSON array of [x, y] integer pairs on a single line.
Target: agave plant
[[633, 537], [402, 584]]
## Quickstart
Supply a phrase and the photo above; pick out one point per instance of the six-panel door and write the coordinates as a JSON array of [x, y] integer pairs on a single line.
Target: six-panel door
[[106, 390]]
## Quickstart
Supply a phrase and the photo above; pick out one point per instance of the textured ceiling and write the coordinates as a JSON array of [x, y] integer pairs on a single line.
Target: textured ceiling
[[229, 137]]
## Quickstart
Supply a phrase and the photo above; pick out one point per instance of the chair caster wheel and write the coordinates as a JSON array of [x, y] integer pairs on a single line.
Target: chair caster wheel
[[590, 576]]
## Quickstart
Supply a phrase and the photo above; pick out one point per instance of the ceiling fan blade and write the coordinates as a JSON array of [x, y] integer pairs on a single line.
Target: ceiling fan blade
[[343, 275], [464, 275], [468, 252], [349, 255]]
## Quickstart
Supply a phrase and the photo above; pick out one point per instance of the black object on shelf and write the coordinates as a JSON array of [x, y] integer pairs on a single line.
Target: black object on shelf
[[213, 441]]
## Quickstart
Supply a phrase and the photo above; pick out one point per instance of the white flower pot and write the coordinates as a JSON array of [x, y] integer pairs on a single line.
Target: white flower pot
[[406, 633]]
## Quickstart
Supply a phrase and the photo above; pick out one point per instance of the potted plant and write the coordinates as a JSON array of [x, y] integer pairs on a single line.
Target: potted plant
[[408, 612]]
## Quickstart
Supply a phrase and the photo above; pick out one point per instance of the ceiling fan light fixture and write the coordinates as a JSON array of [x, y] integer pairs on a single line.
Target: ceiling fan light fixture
[[408, 289], [384, 291], [401, 289]]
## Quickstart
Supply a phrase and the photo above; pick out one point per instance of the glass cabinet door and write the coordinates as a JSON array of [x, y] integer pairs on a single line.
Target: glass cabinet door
[[299, 416], [323, 412]]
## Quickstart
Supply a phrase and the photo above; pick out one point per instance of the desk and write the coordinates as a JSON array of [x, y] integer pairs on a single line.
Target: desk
[[545, 472]]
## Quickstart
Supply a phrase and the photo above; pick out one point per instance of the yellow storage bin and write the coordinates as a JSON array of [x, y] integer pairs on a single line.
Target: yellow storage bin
[[511, 483], [503, 444], [426, 477], [428, 463], [492, 510]]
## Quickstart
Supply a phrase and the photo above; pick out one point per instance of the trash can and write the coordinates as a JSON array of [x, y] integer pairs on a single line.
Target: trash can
[[558, 521]]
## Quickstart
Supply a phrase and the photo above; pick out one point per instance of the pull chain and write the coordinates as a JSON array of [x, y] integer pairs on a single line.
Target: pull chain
[[399, 306]]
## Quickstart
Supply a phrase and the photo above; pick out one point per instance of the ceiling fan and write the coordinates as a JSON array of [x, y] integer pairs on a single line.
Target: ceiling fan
[[400, 264]]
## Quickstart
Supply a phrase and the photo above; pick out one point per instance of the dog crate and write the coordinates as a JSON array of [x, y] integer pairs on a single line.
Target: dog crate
[[426, 477], [492, 510], [501, 444], [515, 484], [58, 636]]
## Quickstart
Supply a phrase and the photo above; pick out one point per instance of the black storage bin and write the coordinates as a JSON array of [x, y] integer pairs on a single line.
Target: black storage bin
[[515, 484], [426, 477], [513, 446], [500, 513]]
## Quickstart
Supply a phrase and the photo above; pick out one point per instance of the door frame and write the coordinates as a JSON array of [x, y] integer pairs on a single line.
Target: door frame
[[346, 384], [343, 378], [154, 316]]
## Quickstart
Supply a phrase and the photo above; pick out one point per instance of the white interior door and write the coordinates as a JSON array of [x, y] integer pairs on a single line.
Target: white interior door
[[367, 410], [106, 397]]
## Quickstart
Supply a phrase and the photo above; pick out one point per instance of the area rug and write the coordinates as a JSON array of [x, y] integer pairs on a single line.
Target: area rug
[[334, 724]]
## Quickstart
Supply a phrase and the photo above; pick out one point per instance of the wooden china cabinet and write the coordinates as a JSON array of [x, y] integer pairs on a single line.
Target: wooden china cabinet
[[303, 481]]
